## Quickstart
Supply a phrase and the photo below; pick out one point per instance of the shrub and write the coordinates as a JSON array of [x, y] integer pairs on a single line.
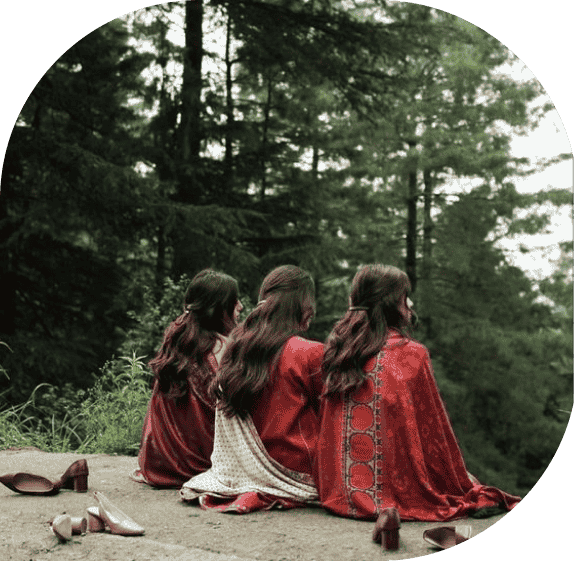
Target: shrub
[[113, 412], [33, 424]]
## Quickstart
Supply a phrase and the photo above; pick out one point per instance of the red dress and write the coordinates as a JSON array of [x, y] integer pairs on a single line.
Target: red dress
[[390, 444], [177, 436], [286, 415], [286, 419]]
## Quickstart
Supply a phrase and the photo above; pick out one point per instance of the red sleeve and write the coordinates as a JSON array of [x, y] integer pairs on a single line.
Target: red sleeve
[[302, 359]]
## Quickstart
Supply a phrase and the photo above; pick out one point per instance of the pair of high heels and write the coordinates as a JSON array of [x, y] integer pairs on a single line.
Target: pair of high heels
[[386, 529], [75, 477], [100, 517]]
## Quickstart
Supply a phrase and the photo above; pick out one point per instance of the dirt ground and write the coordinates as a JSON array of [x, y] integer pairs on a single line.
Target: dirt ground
[[179, 531]]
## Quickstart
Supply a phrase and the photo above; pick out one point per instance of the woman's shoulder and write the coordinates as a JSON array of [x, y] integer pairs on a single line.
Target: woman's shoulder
[[302, 351], [301, 357], [300, 344], [405, 345]]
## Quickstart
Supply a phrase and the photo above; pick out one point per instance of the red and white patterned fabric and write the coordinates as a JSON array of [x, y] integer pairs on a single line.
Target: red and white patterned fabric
[[243, 477], [277, 444], [390, 444]]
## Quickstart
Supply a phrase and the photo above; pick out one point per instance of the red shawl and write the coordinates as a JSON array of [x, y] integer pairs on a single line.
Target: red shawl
[[390, 444], [285, 419], [177, 436]]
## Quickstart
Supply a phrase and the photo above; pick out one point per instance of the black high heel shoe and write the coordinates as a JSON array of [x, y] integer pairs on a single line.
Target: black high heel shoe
[[75, 477], [386, 529]]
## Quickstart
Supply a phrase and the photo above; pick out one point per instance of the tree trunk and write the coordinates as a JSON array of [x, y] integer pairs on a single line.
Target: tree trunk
[[315, 164], [161, 256], [191, 133], [164, 164], [228, 164], [189, 174], [411, 238], [265, 138], [426, 270]]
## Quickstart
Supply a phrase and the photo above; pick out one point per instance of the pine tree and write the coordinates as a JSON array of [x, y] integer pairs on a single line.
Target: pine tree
[[67, 212]]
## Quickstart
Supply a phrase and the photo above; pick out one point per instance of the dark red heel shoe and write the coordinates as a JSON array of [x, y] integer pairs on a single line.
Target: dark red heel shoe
[[386, 529], [8, 481], [444, 537], [75, 477], [29, 484]]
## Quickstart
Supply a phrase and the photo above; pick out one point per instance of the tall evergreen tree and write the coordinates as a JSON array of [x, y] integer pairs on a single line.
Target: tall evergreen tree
[[67, 210]]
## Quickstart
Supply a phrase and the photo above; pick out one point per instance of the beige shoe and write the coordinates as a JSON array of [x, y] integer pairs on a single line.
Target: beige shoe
[[62, 527], [107, 515], [79, 525]]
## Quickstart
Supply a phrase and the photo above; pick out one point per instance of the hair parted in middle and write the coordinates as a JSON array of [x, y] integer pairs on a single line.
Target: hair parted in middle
[[377, 295], [286, 305]]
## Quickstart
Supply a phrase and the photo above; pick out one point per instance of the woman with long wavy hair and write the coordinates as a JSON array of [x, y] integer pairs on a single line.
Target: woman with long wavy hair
[[267, 388], [177, 438], [386, 445]]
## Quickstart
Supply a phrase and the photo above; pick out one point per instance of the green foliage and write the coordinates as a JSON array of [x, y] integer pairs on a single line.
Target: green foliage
[[112, 413], [300, 149], [155, 313], [497, 351], [2, 369], [506, 399], [106, 419], [69, 208], [42, 422]]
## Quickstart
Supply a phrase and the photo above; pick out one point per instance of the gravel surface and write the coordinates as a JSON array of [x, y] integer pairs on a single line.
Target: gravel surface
[[183, 532]]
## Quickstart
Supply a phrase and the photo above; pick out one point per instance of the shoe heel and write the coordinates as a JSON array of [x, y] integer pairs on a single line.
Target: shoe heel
[[79, 525], [81, 483], [387, 529], [390, 539], [95, 522]]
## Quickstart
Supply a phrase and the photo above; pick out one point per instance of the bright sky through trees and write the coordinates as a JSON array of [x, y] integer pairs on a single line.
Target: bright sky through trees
[[536, 254], [547, 141]]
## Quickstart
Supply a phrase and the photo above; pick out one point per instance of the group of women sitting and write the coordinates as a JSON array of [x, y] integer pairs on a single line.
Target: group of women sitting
[[253, 416]]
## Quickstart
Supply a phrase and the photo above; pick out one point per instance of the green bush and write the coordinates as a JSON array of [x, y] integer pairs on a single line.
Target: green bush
[[105, 419], [149, 323], [113, 412], [32, 424], [108, 417], [508, 395]]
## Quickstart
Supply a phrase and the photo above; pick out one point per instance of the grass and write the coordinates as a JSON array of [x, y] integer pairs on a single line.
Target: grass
[[106, 419]]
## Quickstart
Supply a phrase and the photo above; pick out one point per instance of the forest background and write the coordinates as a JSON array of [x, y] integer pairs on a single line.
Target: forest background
[[328, 149]]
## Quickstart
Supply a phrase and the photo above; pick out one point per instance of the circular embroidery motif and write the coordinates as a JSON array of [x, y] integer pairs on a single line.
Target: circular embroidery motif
[[361, 476], [362, 448], [361, 417]]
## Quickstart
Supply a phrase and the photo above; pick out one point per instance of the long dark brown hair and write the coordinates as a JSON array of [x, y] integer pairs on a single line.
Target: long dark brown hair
[[209, 307], [377, 294], [286, 303]]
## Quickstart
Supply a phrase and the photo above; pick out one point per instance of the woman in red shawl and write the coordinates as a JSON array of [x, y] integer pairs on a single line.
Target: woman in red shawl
[[177, 437], [268, 387], [385, 439]]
